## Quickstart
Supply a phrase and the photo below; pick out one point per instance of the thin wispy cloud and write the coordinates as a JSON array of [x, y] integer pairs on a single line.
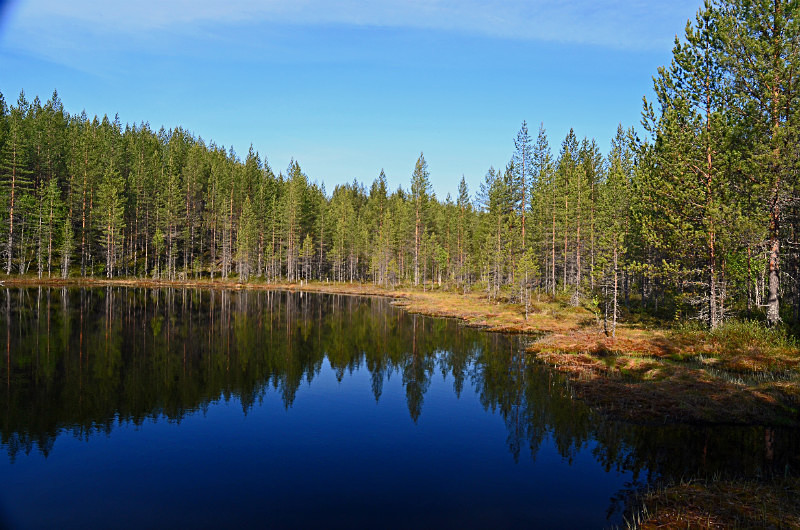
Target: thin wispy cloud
[[611, 23], [348, 86]]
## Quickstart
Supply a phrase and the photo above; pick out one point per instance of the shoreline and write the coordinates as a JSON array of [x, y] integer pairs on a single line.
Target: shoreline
[[493, 316]]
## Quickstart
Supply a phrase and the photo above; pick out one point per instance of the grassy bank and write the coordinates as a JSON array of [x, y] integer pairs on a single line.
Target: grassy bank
[[738, 374], [772, 503]]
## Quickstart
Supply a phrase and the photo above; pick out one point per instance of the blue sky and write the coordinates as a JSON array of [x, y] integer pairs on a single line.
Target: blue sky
[[349, 87]]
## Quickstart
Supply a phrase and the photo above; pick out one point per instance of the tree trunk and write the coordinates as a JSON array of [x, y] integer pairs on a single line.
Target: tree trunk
[[39, 262], [566, 236], [50, 239], [616, 291], [578, 243], [773, 308], [591, 235], [553, 250], [11, 210], [416, 248]]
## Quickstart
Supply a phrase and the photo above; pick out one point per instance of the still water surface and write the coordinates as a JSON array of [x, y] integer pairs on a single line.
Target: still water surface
[[130, 407]]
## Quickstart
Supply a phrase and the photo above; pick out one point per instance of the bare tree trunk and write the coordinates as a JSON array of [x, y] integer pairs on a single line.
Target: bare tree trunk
[[566, 236], [749, 275], [39, 262], [50, 240], [416, 248], [553, 260], [524, 201], [461, 247], [11, 210], [227, 249], [146, 238], [321, 238], [591, 231], [773, 307], [91, 209], [605, 304], [83, 215], [713, 320], [712, 262], [616, 291], [213, 241], [109, 249], [578, 244]]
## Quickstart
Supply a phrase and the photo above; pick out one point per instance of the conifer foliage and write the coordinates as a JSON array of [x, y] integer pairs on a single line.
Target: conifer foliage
[[700, 218]]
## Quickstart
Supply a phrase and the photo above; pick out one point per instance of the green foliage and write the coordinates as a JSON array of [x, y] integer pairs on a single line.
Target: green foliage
[[698, 218], [738, 333], [741, 337]]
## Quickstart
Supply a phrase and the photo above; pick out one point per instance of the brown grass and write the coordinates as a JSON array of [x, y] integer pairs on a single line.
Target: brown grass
[[722, 504], [656, 376]]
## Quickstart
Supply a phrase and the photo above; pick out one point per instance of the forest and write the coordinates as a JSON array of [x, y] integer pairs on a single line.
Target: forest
[[694, 215]]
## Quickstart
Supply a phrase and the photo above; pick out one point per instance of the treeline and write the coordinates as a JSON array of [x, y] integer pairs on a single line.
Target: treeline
[[697, 219]]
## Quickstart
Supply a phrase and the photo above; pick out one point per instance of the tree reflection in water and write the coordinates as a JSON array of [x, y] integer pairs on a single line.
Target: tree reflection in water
[[81, 361]]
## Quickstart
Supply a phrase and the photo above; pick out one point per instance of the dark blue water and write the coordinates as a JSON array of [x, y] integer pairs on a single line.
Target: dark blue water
[[164, 408]]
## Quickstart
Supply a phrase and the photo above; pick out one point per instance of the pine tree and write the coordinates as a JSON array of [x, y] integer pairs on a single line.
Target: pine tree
[[567, 170], [761, 60], [614, 212], [54, 158], [544, 197], [158, 248], [194, 177], [15, 174], [420, 191], [688, 183], [296, 186], [67, 246], [322, 231], [592, 169], [523, 176], [246, 240], [110, 215], [53, 211], [85, 166], [498, 236], [376, 217], [528, 268], [3, 121], [463, 229]]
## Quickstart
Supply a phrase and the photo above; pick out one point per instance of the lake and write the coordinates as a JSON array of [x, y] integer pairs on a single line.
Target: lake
[[133, 407]]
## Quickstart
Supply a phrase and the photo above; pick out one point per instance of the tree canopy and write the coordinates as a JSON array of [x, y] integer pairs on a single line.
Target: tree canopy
[[696, 218]]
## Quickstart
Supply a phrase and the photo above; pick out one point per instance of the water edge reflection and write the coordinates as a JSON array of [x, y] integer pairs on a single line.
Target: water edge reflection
[[84, 361]]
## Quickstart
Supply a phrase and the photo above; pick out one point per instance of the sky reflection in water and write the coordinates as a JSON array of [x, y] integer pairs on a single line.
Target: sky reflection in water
[[140, 407]]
